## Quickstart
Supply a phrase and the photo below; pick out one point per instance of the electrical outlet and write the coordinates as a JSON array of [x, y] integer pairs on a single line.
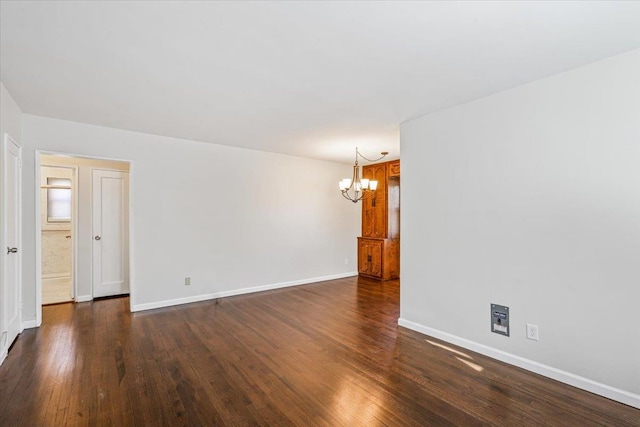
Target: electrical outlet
[[346, 261], [532, 332], [187, 281]]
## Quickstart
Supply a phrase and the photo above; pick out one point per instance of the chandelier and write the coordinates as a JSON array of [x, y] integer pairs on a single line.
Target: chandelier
[[356, 188]]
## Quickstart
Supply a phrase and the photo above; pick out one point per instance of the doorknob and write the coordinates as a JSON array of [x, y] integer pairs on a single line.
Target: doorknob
[[11, 250], [97, 237]]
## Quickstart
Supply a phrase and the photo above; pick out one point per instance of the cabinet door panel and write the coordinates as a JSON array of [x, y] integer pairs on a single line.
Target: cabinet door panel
[[363, 257], [367, 206], [394, 168], [379, 201], [376, 259]]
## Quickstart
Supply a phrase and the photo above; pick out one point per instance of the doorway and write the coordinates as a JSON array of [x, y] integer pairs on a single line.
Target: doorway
[[57, 200], [82, 229]]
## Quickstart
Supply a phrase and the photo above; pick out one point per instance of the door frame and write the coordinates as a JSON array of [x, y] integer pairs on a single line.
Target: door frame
[[74, 226], [3, 240]]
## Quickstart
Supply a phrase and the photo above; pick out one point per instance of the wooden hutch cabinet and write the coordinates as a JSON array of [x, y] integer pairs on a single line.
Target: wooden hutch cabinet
[[379, 246]]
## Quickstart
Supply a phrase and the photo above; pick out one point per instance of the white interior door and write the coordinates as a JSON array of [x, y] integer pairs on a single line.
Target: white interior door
[[110, 233], [11, 242]]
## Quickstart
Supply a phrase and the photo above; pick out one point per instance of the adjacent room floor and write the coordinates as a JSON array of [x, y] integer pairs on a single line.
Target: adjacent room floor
[[329, 353], [56, 290]]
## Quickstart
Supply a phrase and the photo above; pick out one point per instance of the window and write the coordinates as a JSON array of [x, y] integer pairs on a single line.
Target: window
[[58, 200]]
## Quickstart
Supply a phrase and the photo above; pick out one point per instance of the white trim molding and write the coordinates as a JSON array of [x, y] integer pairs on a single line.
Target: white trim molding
[[577, 381], [223, 294], [84, 298], [29, 324]]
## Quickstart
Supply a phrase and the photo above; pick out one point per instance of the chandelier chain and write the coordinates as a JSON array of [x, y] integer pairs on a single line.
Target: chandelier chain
[[382, 156]]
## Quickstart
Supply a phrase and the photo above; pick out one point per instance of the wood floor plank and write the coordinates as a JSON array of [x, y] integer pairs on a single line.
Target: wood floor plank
[[325, 354]]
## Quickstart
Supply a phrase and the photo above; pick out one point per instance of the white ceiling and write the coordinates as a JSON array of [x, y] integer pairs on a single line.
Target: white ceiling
[[311, 79]]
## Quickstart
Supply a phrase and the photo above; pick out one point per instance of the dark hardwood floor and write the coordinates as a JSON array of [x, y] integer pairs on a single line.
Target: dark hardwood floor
[[323, 354]]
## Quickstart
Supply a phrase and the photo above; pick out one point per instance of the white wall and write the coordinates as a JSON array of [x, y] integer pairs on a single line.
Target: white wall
[[11, 123], [530, 198], [229, 218], [10, 116]]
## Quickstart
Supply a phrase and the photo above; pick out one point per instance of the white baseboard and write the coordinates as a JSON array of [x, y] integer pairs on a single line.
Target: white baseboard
[[84, 298], [204, 297], [3, 356], [583, 383], [29, 324]]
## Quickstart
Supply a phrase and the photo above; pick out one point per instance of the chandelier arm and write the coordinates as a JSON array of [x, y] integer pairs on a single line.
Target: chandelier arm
[[347, 196]]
